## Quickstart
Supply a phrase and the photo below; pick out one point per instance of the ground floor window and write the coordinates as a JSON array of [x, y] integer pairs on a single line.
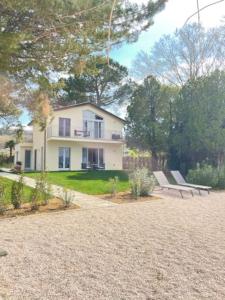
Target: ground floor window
[[64, 158], [92, 158]]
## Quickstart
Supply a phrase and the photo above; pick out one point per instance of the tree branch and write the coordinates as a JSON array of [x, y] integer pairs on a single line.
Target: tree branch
[[201, 9]]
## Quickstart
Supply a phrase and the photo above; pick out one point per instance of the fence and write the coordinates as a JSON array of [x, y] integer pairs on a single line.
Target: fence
[[131, 163]]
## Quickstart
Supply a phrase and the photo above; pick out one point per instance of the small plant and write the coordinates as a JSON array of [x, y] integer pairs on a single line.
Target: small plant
[[142, 184], [113, 182], [17, 192], [67, 198], [41, 192], [2, 197]]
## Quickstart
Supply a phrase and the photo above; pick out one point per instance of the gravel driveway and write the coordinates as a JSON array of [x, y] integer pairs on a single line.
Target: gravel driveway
[[163, 249]]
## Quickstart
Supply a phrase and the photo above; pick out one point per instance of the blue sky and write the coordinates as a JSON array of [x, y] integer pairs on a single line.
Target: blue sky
[[166, 22], [172, 17]]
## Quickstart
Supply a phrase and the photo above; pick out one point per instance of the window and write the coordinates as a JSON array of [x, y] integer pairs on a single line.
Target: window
[[92, 158], [64, 158], [64, 127], [93, 124]]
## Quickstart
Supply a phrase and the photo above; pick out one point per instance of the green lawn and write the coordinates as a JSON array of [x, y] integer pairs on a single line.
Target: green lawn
[[8, 183], [89, 182]]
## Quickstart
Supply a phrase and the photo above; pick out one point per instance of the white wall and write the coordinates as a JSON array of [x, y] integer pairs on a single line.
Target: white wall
[[112, 154]]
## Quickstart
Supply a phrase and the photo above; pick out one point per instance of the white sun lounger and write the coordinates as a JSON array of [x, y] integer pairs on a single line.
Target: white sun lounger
[[181, 181], [164, 183]]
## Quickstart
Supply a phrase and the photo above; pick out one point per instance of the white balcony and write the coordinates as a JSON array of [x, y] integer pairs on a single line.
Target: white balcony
[[78, 134]]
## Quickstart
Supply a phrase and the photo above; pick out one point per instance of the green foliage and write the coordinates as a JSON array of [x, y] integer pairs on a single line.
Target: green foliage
[[199, 129], [141, 183], [8, 188], [41, 192], [113, 185], [29, 28], [207, 175], [221, 178], [101, 84], [5, 161], [148, 117], [8, 99], [17, 192], [11, 145], [2, 198]]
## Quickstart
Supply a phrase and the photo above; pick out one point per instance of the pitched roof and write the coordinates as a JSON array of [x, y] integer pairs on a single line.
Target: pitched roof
[[88, 103]]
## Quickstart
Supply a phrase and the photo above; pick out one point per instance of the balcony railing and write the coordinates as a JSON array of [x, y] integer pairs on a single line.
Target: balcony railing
[[78, 133]]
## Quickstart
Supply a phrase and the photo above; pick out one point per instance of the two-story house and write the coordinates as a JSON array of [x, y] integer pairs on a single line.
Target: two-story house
[[81, 136]]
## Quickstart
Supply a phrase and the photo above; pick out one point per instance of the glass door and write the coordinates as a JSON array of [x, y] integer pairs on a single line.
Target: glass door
[[27, 164], [64, 158]]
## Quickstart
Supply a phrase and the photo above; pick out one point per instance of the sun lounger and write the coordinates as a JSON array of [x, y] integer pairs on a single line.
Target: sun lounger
[[164, 183], [181, 181]]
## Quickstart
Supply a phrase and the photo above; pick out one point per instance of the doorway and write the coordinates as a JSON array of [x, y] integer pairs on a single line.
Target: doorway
[[27, 165], [64, 158]]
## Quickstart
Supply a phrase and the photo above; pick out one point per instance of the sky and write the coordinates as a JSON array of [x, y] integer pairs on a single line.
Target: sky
[[172, 17], [166, 22]]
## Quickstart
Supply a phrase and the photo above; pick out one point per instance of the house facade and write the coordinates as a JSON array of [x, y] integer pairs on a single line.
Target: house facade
[[78, 137]]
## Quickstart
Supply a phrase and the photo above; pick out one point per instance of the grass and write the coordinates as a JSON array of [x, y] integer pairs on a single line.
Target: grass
[[89, 182], [8, 184]]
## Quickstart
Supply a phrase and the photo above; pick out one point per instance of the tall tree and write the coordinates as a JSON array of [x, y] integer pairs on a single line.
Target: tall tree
[[146, 126], [103, 84], [190, 52], [37, 37], [199, 128], [41, 39]]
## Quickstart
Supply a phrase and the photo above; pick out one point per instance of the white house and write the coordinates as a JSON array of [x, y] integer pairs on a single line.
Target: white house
[[81, 136]]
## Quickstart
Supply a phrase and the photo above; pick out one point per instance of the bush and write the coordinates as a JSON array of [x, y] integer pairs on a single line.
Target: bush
[[41, 192], [113, 185], [141, 183], [67, 198], [221, 178], [17, 192], [2, 198], [207, 175]]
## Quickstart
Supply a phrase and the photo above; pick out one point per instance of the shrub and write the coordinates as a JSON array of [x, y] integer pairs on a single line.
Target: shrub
[[41, 192], [17, 192], [2, 198], [142, 184], [67, 197], [204, 175], [113, 185], [221, 178]]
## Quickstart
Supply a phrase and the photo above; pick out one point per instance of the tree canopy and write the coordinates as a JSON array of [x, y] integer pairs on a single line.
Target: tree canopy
[[188, 53], [40, 36], [146, 122], [103, 84], [199, 127], [8, 100]]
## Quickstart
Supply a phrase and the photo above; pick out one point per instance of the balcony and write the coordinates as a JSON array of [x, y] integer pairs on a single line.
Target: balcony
[[79, 134]]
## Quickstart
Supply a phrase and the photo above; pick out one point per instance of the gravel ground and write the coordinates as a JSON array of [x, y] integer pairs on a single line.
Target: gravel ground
[[163, 249]]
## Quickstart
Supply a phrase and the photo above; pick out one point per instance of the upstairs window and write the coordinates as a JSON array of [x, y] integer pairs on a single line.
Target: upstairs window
[[93, 124], [64, 127]]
